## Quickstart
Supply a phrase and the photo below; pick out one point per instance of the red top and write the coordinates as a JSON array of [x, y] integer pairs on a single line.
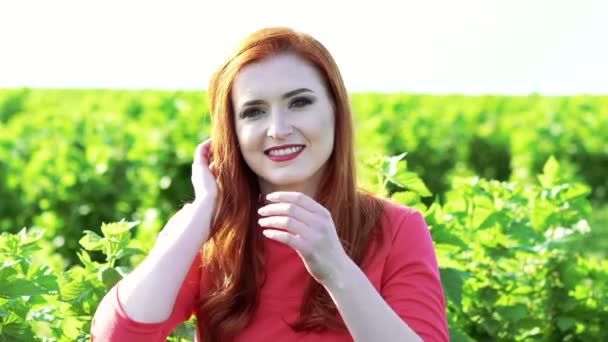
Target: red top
[[404, 272]]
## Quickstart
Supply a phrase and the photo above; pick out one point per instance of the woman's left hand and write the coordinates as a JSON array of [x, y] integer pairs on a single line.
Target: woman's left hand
[[310, 231]]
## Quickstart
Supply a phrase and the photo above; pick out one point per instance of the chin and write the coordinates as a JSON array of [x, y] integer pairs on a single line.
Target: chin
[[285, 179]]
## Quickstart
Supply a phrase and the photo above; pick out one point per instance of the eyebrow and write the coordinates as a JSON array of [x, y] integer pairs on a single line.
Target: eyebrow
[[285, 96]]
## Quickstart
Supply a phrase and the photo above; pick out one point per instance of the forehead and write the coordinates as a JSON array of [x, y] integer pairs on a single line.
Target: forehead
[[274, 76]]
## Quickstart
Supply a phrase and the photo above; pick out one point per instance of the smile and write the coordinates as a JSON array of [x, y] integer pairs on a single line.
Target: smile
[[284, 154]]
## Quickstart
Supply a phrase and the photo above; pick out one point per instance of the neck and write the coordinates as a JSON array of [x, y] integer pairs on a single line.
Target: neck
[[308, 187]]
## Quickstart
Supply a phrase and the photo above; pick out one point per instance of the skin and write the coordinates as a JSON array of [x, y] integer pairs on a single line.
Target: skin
[[306, 118]]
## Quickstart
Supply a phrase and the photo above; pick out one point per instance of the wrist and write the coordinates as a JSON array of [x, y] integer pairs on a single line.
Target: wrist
[[342, 275], [205, 200]]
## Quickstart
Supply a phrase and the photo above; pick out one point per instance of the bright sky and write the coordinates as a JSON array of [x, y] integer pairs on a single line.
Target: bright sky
[[465, 46]]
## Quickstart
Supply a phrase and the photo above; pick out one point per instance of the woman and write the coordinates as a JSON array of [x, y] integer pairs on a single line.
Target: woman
[[279, 244]]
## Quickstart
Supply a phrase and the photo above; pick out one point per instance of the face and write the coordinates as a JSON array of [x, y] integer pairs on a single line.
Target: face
[[284, 121]]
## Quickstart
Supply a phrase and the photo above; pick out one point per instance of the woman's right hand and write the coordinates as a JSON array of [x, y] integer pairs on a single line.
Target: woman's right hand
[[205, 191], [171, 259], [204, 173]]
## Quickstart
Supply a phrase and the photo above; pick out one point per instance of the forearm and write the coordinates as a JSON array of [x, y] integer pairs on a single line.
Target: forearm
[[367, 315], [149, 292]]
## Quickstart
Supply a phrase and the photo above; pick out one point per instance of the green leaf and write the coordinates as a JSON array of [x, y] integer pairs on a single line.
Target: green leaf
[[7, 273], [453, 280], [550, 175], [411, 181], [110, 277], [575, 191], [91, 241], [488, 294], [20, 287], [515, 312], [443, 236], [541, 214], [126, 252], [565, 323], [408, 198], [16, 306], [72, 327], [117, 228], [31, 236], [456, 333], [85, 258], [47, 282], [389, 165], [75, 291], [9, 243], [43, 277]]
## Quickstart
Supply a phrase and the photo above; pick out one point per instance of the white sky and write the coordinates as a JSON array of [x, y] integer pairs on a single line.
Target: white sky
[[465, 46]]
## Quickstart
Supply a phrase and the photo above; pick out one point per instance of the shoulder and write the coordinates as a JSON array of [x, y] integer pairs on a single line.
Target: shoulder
[[397, 211], [397, 219]]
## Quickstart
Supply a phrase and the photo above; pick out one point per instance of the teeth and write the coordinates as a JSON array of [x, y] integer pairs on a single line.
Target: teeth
[[285, 151]]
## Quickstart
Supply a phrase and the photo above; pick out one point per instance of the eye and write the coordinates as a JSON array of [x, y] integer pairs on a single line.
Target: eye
[[301, 102], [250, 112]]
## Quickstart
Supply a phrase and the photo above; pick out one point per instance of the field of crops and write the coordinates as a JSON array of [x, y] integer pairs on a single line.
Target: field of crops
[[514, 189]]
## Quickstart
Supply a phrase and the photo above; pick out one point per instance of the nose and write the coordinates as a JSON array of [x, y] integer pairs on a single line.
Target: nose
[[279, 128]]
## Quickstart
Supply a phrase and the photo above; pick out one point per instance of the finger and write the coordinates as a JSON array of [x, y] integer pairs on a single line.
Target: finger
[[208, 151], [213, 169], [285, 222], [287, 209], [201, 153], [297, 198], [289, 239], [198, 154]]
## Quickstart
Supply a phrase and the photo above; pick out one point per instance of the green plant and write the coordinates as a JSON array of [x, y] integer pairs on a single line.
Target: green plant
[[507, 263]]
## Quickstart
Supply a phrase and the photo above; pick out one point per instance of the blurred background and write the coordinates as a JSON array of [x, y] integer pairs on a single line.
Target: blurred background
[[500, 106], [472, 47]]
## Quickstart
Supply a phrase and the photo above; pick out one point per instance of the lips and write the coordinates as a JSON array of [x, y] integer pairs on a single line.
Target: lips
[[267, 151], [284, 157]]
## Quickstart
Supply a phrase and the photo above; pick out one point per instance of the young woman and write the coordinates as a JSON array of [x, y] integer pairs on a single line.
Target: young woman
[[279, 243]]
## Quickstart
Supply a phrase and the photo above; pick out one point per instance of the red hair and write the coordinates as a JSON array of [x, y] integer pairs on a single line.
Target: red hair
[[233, 256]]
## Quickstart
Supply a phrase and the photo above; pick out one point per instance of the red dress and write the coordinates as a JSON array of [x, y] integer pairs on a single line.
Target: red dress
[[405, 273]]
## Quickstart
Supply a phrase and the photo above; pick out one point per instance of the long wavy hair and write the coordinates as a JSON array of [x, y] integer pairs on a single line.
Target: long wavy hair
[[232, 258]]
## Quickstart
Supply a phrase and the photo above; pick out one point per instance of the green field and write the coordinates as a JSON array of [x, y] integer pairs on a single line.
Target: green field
[[514, 190]]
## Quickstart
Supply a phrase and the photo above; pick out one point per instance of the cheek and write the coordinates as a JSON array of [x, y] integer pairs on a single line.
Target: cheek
[[250, 139], [324, 128]]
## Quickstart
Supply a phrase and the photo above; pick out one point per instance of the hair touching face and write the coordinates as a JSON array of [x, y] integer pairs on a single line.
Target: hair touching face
[[233, 256]]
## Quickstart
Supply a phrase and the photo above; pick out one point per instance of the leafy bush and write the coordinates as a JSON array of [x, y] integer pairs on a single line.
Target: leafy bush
[[504, 251], [497, 137], [70, 159], [506, 257], [37, 303], [517, 254]]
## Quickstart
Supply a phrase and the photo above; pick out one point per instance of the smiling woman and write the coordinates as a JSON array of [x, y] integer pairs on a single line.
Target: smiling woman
[[285, 137], [290, 248]]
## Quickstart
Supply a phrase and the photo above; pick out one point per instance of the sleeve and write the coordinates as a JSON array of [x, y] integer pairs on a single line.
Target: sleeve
[[411, 282], [111, 323]]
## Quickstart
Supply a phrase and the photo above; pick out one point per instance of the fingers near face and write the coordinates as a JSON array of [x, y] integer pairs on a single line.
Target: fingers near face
[[198, 154], [286, 209], [202, 153], [213, 169], [284, 222], [297, 198]]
